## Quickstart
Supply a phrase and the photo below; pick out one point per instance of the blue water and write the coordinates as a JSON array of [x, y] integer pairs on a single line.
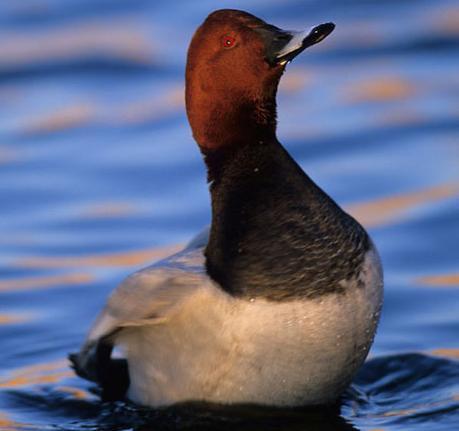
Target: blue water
[[99, 176]]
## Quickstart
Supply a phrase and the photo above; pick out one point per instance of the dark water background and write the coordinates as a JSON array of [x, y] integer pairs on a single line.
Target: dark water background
[[99, 176]]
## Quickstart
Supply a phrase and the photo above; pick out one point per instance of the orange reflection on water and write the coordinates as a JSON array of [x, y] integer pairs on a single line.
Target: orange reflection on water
[[7, 424], [62, 119], [119, 39], [152, 107], [419, 408], [392, 208], [28, 283], [50, 372], [295, 80], [109, 210], [77, 393], [9, 319], [446, 20], [381, 89], [449, 353], [440, 280], [132, 258]]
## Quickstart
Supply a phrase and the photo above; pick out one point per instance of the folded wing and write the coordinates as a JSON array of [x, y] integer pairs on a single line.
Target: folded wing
[[150, 296]]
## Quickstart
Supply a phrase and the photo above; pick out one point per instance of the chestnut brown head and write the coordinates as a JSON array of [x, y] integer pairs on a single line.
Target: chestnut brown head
[[235, 61]]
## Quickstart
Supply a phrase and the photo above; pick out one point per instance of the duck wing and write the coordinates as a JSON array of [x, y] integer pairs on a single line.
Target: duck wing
[[147, 297]]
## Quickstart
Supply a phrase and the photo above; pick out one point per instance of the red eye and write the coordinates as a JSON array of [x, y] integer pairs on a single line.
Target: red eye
[[228, 41]]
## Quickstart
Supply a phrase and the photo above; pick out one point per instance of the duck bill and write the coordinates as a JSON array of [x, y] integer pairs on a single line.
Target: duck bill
[[286, 45]]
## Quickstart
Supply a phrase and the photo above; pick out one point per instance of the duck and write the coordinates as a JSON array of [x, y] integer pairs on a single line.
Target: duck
[[278, 301]]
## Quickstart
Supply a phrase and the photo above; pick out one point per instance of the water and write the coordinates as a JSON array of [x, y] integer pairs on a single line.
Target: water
[[99, 176]]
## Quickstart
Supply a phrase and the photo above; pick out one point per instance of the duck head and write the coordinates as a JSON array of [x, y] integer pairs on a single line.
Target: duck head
[[235, 62]]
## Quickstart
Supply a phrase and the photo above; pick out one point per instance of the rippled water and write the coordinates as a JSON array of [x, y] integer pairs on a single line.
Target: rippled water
[[99, 176]]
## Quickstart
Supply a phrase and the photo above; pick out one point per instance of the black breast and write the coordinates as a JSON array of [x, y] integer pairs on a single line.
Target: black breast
[[274, 233]]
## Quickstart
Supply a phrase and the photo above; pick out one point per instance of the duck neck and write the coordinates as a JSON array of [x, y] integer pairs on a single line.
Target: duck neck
[[252, 187], [273, 230], [223, 119], [232, 130]]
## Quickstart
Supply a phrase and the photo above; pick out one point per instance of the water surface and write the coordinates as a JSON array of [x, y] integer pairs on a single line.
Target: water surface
[[99, 176]]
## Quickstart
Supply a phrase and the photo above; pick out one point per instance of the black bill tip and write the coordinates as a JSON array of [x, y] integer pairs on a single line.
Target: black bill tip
[[300, 40], [318, 34]]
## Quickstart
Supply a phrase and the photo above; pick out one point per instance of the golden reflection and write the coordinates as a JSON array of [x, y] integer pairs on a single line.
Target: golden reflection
[[9, 319], [132, 258], [34, 380], [380, 90], [77, 393], [43, 367], [295, 80], [440, 280], [417, 408], [7, 424], [109, 210], [403, 412], [62, 119], [448, 353], [152, 107], [446, 20], [390, 209], [120, 39], [39, 282], [50, 372]]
